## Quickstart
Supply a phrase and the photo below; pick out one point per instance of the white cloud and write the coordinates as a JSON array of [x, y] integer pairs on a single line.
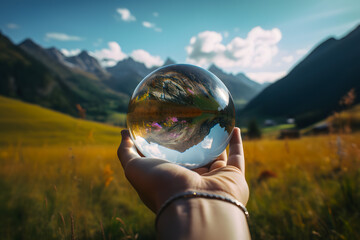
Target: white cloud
[[148, 24], [302, 51], [288, 59], [256, 50], [151, 25], [155, 14], [62, 37], [262, 77], [69, 53], [12, 26], [143, 56], [108, 57], [207, 142], [125, 14]]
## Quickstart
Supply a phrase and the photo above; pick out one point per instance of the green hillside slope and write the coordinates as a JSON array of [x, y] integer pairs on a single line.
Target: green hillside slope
[[46, 82], [314, 87], [28, 124]]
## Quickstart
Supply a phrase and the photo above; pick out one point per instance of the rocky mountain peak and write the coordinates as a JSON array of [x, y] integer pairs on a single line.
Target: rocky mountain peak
[[215, 69], [169, 61]]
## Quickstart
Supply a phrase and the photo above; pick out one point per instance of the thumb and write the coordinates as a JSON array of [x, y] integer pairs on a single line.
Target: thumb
[[126, 151], [236, 151]]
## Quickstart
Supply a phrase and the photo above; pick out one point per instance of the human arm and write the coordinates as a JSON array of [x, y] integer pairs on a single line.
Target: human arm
[[157, 180]]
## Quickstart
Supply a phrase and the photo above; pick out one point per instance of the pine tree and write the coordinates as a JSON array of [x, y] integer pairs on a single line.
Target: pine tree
[[254, 131]]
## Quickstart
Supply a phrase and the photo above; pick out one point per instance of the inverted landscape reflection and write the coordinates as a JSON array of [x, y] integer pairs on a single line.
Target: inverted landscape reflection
[[181, 113]]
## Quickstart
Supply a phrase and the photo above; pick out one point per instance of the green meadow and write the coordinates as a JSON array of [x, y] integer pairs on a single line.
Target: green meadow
[[27, 124], [60, 179]]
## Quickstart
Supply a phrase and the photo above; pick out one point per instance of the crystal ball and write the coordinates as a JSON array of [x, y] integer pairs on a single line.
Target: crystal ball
[[183, 114]]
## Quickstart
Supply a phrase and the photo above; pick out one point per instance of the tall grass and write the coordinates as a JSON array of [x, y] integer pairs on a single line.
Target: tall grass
[[60, 179], [300, 189], [58, 192], [312, 192]]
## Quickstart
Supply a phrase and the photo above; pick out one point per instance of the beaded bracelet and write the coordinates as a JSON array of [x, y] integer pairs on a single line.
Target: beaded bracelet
[[193, 194]]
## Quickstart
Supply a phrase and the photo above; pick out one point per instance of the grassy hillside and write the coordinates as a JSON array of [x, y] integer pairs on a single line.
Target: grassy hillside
[[60, 179], [305, 188], [33, 76], [28, 124], [58, 173]]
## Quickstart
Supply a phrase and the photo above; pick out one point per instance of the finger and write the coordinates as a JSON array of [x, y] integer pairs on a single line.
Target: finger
[[126, 151], [236, 151], [216, 165], [222, 156], [219, 162], [201, 170]]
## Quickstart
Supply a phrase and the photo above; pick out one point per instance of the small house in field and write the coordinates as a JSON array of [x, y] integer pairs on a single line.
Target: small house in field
[[289, 134], [269, 123], [290, 121]]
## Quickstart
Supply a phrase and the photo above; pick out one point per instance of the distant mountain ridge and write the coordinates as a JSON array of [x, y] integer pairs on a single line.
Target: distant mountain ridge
[[30, 73], [81, 63], [313, 89], [87, 63], [126, 74], [59, 82], [55, 54], [168, 61], [241, 87]]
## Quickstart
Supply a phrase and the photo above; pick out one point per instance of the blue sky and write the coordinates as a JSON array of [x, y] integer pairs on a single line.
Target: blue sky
[[263, 39]]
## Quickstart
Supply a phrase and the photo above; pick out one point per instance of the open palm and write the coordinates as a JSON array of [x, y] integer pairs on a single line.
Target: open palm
[[156, 180]]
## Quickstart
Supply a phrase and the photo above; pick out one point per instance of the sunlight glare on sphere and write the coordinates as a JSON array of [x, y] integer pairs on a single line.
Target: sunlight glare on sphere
[[183, 114]]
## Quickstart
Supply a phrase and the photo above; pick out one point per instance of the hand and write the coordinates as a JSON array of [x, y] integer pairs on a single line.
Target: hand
[[156, 180]]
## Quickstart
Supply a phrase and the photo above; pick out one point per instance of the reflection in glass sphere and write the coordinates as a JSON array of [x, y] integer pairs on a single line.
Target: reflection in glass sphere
[[181, 113]]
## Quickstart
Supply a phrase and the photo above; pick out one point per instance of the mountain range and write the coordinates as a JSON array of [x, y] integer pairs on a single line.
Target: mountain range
[[313, 89], [37, 75], [310, 92], [241, 87], [47, 77]]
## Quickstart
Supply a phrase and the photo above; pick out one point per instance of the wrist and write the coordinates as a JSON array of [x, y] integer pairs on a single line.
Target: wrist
[[205, 195], [202, 218]]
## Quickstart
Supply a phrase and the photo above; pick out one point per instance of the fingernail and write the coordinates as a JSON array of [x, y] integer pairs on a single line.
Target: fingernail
[[123, 133]]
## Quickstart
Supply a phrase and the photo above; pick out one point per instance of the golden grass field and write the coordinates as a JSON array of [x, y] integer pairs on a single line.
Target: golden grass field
[[60, 179]]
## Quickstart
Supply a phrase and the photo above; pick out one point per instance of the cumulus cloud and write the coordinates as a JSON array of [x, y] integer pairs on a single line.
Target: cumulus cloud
[[62, 37], [12, 26], [125, 14], [151, 25], [262, 77], [108, 57], [254, 51], [288, 59], [143, 56], [69, 53], [302, 51]]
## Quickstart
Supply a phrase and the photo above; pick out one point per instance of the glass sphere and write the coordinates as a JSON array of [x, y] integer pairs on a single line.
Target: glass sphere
[[183, 114]]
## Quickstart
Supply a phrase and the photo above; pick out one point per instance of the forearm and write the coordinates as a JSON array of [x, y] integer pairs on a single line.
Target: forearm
[[199, 218]]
